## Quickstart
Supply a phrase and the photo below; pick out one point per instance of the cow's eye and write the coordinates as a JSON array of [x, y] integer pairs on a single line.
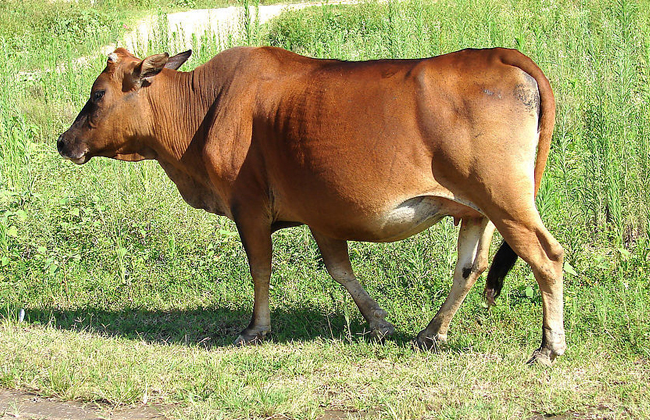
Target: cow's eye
[[98, 95]]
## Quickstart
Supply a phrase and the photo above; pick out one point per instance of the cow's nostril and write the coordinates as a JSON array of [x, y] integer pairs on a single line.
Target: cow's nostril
[[59, 143]]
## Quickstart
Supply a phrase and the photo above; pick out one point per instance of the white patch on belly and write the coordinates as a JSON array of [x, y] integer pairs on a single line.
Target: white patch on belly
[[410, 217]]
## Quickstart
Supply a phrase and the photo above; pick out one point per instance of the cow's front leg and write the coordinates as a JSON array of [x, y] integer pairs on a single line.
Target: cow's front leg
[[337, 261], [256, 238]]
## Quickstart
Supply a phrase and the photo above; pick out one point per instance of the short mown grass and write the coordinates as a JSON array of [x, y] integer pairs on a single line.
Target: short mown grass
[[132, 297]]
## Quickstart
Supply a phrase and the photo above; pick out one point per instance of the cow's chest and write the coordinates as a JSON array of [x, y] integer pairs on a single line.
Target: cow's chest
[[194, 192]]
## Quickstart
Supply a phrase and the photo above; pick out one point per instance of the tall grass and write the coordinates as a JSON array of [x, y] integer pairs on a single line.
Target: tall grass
[[116, 272]]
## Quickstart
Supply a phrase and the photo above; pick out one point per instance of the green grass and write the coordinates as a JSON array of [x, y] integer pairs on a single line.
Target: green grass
[[132, 296]]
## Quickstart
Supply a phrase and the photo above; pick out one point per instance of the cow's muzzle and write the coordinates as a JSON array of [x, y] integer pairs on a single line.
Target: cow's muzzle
[[71, 149]]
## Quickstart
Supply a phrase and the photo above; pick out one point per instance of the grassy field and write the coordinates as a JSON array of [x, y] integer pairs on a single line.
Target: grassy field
[[132, 297]]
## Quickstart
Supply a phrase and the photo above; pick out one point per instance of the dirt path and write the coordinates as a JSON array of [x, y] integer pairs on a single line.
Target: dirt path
[[23, 405]]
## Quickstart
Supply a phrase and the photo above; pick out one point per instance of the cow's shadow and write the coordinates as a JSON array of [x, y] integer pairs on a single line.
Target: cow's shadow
[[208, 327]]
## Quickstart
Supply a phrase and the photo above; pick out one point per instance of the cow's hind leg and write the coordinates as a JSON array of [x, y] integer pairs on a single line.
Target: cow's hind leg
[[473, 246], [534, 244], [337, 261]]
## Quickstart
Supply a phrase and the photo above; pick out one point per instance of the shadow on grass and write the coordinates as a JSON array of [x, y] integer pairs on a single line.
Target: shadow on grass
[[209, 327]]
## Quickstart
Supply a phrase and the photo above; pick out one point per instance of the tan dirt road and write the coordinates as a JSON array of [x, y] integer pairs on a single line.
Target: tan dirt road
[[27, 406]]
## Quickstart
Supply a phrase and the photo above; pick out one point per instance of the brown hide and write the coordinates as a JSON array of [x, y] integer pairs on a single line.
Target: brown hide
[[370, 151]]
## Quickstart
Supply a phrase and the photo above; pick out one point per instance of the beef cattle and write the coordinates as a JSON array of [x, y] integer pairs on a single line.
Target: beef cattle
[[365, 151]]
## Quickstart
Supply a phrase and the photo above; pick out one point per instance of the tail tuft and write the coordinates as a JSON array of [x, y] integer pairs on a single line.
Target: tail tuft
[[503, 262]]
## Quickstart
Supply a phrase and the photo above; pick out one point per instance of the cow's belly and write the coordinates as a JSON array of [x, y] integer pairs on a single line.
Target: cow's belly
[[395, 222], [410, 217], [417, 214]]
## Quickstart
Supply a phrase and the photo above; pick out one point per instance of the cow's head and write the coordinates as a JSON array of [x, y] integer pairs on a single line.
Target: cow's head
[[116, 120]]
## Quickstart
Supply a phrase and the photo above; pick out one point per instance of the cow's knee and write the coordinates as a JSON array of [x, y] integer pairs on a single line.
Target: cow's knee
[[469, 273], [480, 265], [555, 254]]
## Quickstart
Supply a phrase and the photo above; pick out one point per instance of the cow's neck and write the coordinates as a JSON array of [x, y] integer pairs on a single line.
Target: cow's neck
[[179, 108], [179, 114]]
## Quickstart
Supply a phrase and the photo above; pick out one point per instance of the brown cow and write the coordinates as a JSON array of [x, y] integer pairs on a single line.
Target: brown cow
[[367, 151]]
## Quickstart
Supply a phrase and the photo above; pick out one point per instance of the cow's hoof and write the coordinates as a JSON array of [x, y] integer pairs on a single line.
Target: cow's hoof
[[427, 342], [381, 329], [542, 356], [251, 336]]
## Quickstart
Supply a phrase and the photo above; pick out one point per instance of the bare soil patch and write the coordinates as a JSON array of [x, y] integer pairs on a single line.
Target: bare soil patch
[[24, 405]]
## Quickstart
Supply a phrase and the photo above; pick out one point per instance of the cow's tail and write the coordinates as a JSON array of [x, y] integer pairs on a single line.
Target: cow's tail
[[505, 257]]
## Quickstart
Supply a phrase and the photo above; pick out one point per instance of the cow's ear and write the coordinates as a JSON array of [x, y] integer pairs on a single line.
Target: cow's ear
[[150, 67], [176, 61]]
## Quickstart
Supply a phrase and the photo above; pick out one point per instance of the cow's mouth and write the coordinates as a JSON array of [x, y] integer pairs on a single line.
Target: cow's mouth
[[80, 160]]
